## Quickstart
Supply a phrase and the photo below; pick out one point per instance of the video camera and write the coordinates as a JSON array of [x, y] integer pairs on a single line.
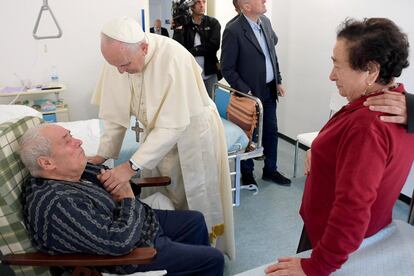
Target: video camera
[[181, 12]]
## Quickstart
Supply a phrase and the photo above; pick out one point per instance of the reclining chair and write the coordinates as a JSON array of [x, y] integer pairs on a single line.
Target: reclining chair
[[15, 246]]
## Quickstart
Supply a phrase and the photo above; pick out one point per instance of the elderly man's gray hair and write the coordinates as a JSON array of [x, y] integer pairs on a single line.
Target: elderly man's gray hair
[[33, 145]]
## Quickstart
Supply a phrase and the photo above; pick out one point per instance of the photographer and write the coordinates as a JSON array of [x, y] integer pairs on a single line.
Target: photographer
[[201, 37]]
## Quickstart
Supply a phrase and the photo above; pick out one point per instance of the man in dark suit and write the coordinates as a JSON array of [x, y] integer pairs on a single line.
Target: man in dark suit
[[249, 64], [157, 29]]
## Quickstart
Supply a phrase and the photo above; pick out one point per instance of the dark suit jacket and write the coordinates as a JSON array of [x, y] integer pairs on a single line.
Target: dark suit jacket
[[232, 20], [243, 62], [164, 31]]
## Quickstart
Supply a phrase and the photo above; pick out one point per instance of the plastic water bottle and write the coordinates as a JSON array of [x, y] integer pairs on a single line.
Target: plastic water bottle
[[54, 77]]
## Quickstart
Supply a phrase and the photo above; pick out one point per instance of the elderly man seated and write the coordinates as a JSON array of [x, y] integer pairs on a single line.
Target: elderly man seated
[[67, 210]]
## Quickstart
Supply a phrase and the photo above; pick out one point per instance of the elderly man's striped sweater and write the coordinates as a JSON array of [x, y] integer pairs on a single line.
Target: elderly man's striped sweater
[[73, 217]]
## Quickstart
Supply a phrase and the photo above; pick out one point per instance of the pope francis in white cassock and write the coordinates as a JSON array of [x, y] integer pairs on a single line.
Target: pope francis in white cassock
[[183, 135]]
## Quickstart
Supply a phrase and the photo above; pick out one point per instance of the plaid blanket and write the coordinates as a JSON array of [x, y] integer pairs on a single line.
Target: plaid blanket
[[13, 234]]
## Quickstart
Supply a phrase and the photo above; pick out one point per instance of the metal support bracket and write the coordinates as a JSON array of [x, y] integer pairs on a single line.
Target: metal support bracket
[[45, 7]]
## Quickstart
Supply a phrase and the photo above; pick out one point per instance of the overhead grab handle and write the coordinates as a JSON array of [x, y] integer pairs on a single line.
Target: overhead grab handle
[[45, 7]]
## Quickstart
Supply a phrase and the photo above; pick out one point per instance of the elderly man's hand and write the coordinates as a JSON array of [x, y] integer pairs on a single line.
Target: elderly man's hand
[[124, 191], [96, 160], [392, 103], [286, 266], [113, 180]]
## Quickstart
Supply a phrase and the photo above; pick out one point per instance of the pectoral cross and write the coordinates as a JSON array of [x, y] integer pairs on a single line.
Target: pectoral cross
[[137, 130]]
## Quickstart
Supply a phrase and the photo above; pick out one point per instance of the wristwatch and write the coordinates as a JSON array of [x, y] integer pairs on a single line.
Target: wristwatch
[[133, 166]]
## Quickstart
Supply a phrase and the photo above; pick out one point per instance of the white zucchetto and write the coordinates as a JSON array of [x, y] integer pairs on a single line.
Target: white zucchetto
[[124, 29]]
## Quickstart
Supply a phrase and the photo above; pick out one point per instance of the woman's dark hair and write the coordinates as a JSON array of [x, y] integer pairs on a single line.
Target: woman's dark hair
[[376, 40]]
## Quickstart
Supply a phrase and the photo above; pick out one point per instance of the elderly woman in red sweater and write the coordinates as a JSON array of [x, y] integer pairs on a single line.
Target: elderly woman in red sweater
[[359, 164]]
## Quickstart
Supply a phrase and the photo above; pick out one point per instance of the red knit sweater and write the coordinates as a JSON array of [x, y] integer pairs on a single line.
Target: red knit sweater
[[358, 168]]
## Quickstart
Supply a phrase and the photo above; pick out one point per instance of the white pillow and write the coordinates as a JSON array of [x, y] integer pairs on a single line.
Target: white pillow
[[88, 131], [13, 111]]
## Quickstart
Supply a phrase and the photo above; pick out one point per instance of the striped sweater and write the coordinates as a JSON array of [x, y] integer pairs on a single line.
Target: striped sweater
[[81, 217]]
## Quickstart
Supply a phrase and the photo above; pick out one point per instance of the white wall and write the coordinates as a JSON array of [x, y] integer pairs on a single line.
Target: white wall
[[222, 10], [76, 55], [307, 31]]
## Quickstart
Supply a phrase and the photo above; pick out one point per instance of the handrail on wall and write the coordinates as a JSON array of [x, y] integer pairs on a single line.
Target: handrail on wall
[[45, 7]]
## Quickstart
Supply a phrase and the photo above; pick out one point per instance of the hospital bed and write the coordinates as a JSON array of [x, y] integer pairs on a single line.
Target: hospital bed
[[237, 142], [89, 131]]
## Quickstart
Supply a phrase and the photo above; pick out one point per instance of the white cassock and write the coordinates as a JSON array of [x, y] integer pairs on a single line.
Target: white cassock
[[183, 138]]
